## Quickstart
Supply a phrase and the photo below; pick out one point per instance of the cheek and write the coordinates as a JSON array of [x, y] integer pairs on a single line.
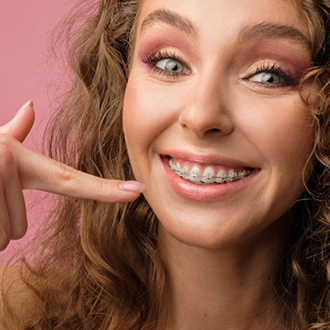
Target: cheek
[[141, 111], [149, 109], [133, 119], [281, 130], [291, 142], [147, 112]]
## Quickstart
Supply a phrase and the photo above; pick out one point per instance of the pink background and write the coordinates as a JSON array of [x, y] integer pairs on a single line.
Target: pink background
[[29, 70]]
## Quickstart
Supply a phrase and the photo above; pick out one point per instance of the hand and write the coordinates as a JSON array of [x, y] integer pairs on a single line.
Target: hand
[[22, 168]]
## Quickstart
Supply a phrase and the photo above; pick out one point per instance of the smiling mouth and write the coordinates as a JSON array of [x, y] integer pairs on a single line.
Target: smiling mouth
[[207, 174]]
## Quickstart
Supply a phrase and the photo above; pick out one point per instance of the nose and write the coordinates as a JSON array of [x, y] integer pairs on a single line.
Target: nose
[[206, 111]]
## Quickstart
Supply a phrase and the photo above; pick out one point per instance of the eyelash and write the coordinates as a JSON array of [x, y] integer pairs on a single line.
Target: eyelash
[[288, 80], [153, 58]]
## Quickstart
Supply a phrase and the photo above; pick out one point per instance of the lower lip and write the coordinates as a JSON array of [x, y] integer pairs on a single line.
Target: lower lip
[[189, 190]]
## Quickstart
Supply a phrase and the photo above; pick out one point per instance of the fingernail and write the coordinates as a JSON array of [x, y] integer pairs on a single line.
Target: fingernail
[[132, 186], [24, 106]]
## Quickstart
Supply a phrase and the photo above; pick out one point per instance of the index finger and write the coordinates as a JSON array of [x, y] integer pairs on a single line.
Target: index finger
[[43, 173]]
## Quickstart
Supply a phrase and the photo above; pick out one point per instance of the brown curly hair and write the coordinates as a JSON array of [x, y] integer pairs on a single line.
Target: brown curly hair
[[302, 285], [109, 269]]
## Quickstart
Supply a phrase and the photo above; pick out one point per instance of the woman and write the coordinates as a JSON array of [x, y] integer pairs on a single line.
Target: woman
[[221, 109]]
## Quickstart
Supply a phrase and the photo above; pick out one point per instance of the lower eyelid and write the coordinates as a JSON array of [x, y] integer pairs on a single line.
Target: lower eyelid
[[164, 74]]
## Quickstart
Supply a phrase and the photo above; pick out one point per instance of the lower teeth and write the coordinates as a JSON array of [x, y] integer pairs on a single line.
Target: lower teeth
[[204, 180]]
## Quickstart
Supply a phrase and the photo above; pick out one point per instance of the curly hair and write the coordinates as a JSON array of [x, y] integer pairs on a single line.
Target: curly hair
[[110, 273], [302, 286]]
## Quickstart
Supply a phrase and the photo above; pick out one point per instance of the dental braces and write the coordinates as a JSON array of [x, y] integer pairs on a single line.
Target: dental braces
[[195, 178]]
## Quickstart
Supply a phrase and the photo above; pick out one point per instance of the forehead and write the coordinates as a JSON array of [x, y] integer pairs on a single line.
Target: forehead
[[213, 17]]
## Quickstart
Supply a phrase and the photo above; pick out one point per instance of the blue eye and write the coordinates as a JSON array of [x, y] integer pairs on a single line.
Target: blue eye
[[267, 78], [272, 76], [172, 66], [167, 63]]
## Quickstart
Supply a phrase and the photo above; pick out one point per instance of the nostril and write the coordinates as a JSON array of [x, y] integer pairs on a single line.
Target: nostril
[[214, 130]]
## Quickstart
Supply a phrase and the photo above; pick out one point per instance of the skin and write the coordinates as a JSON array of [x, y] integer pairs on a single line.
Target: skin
[[221, 250], [23, 168]]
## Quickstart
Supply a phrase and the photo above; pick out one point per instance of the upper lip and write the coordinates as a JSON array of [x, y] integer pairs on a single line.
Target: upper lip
[[208, 159]]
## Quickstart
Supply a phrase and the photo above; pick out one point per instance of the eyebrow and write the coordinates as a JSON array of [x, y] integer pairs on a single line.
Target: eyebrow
[[261, 30], [273, 31], [171, 18]]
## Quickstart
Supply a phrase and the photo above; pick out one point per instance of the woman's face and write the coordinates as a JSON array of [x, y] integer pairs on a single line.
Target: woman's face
[[213, 120]]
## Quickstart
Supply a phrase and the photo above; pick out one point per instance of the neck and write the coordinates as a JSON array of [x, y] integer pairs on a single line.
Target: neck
[[227, 288]]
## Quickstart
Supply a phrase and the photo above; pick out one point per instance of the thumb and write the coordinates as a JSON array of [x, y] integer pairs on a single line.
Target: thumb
[[20, 126]]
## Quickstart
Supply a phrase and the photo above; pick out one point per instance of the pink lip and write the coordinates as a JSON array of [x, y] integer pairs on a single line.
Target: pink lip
[[205, 193], [210, 159]]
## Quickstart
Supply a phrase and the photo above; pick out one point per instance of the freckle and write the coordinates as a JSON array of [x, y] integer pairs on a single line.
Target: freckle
[[205, 315]]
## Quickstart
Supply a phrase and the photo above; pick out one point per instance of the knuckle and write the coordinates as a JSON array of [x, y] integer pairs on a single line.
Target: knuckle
[[65, 172], [103, 190], [104, 186], [67, 175]]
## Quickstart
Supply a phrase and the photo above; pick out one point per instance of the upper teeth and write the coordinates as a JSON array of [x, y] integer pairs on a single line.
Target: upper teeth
[[208, 176]]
